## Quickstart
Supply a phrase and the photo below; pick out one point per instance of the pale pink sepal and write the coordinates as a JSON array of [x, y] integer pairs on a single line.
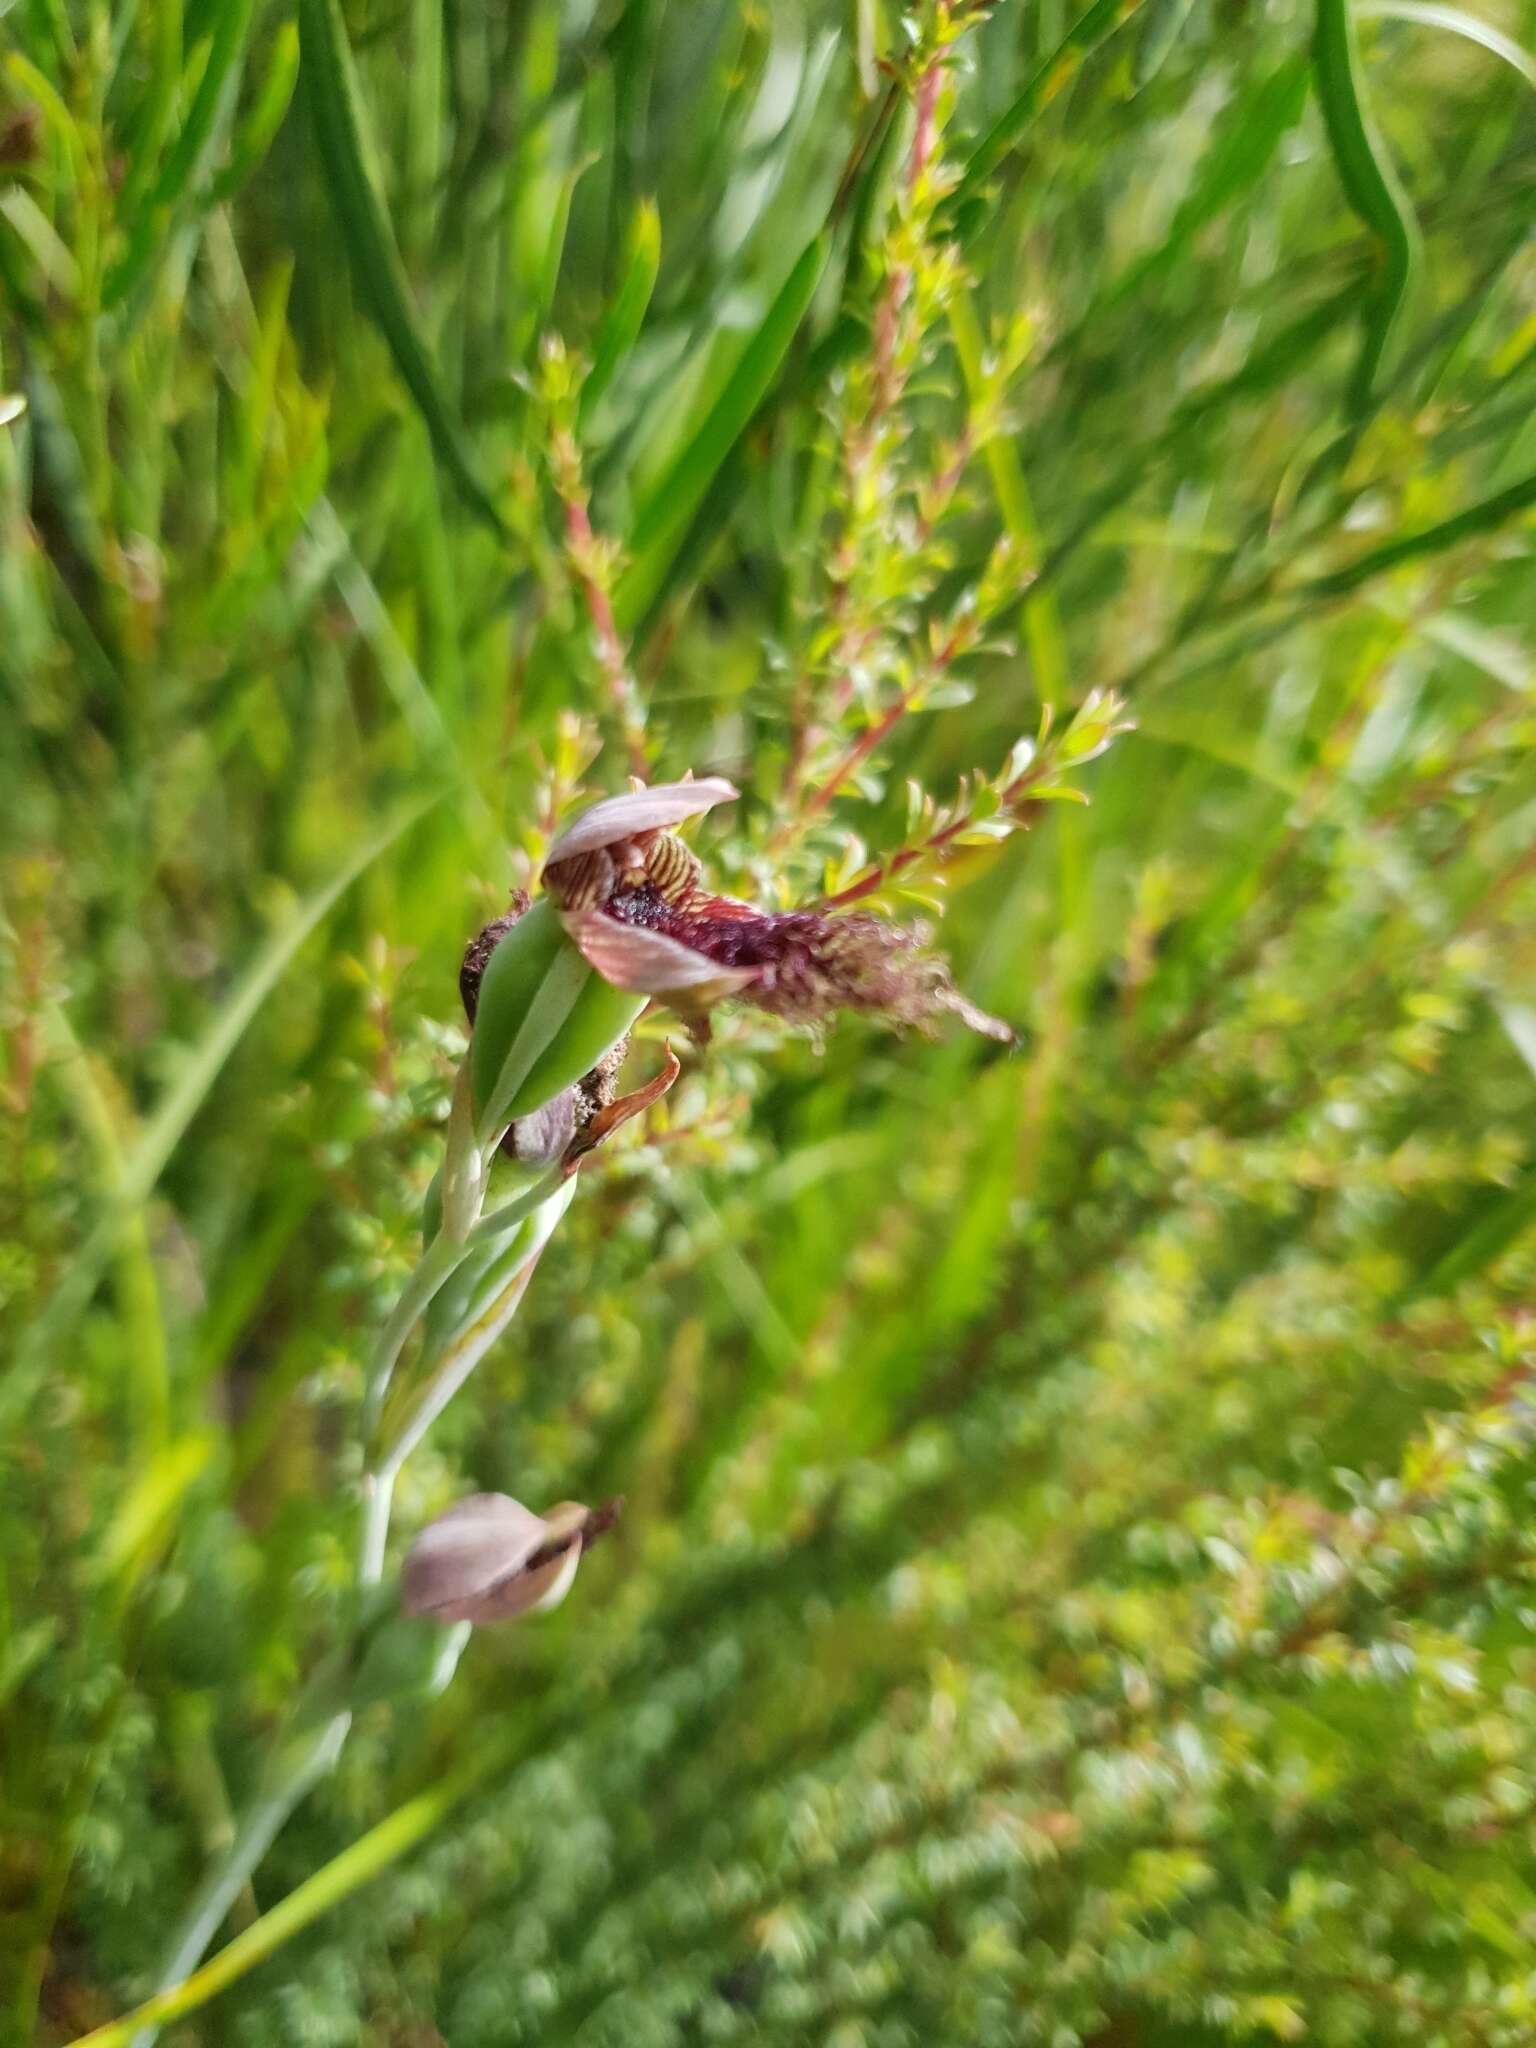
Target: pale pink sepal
[[470, 1564], [639, 810]]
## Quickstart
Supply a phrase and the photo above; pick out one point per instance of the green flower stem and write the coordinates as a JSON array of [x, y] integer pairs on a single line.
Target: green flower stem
[[291, 1773], [460, 1357], [301, 1757], [357, 1865], [466, 1171], [378, 1502], [436, 1266], [503, 1219]]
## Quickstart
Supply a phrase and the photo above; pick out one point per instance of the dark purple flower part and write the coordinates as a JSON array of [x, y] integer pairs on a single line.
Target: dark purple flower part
[[633, 902]]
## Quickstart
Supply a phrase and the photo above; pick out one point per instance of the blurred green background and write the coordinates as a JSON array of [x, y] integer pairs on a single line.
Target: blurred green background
[[1077, 1579]]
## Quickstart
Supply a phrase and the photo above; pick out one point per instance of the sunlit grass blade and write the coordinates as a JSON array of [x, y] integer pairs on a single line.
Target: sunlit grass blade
[[1456, 21], [359, 1864], [1161, 25]]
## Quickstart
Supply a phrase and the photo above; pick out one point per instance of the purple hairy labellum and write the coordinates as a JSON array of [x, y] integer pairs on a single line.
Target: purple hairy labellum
[[632, 898], [488, 1558]]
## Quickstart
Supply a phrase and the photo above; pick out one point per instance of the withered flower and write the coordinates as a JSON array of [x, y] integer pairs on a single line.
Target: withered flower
[[488, 1558], [632, 897]]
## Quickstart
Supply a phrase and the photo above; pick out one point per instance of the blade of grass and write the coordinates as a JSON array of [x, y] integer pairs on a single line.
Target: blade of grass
[[1482, 517], [367, 1858], [144, 1163], [1042, 621], [616, 337], [336, 110], [662, 522], [187, 166], [1371, 187], [1428, 14], [256, 132], [1497, 1223], [1093, 27]]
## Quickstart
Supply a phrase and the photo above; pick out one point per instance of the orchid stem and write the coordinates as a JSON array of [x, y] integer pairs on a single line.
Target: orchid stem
[[299, 1760]]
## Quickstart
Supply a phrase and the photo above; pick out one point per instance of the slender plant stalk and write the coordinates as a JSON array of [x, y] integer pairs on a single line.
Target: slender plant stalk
[[302, 1755]]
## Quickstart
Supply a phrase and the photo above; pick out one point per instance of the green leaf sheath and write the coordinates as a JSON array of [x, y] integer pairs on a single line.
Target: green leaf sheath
[[542, 1020]]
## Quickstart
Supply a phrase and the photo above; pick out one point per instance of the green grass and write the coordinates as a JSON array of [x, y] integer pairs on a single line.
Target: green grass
[[1076, 1582]]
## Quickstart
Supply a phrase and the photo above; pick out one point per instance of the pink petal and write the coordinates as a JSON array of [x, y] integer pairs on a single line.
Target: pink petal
[[457, 1561], [649, 963], [639, 810]]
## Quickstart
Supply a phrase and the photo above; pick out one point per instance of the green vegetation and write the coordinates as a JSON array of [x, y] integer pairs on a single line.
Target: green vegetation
[[1078, 1576]]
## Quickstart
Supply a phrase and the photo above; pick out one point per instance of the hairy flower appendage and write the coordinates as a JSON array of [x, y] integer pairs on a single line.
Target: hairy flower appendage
[[632, 897]]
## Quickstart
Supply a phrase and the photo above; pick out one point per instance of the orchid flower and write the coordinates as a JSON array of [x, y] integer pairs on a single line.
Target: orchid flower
[[632, 898]]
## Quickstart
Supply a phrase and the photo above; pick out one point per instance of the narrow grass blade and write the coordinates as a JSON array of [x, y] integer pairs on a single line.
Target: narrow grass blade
[[255, 134], [186, 169], [1238, 157], [144, 1164], [335, 107], [1497, 1223], [1429, 14], [1161, 28], [367, 1858], [663, 520], [1482, 517], [1371, 187], [1041, 620], [616, 337], [1098, 22]]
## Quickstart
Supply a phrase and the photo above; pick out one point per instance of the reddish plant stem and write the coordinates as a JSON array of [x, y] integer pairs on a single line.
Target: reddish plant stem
[[871, 738], [610, 648], [856, 755], [859, 447], [937, 842]]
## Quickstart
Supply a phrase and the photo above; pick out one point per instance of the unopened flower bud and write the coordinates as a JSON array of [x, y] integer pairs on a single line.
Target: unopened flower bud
[[490, 1559]]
